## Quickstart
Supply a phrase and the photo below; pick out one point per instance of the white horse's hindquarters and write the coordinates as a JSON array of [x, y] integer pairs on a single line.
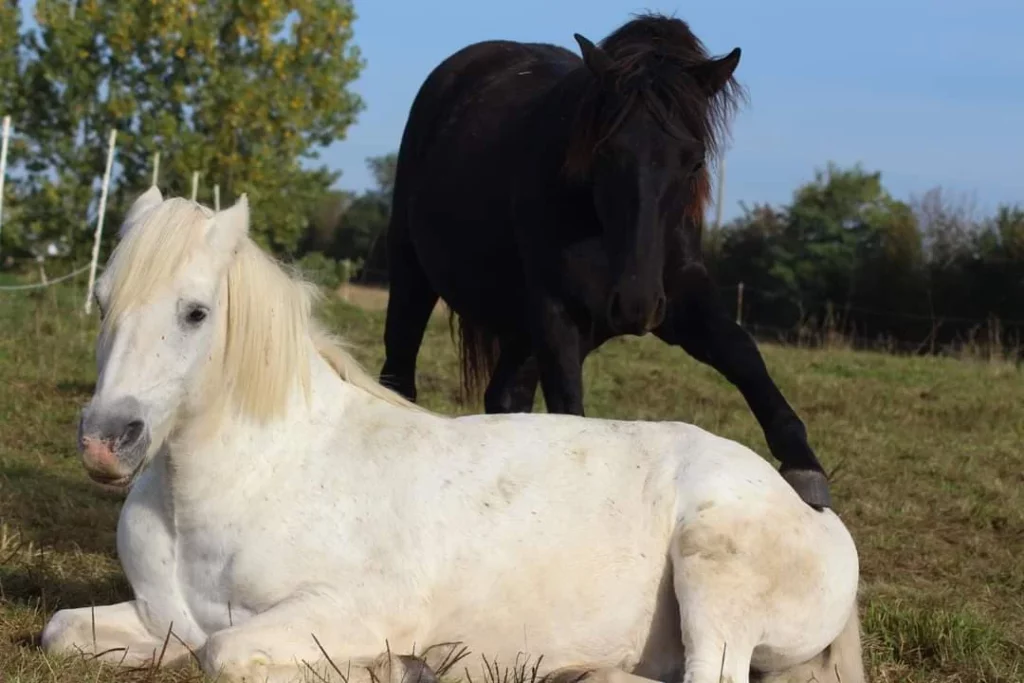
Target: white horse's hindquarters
[[819, 610], [782, 576]]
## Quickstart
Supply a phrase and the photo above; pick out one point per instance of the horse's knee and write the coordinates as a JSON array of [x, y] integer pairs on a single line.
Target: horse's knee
[[63, 633], [227, 657]]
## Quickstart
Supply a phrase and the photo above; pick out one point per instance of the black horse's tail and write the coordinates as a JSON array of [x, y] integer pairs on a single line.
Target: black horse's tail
[[478, 355]]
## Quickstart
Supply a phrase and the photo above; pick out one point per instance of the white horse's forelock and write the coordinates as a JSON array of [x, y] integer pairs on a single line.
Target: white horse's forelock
[[269, 321], [153, 248]]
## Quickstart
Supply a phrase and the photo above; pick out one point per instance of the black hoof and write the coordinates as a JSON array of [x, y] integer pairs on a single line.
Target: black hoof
[[811, 486]]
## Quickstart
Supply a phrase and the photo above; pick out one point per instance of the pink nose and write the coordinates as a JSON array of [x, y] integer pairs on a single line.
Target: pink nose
[[98, 457]]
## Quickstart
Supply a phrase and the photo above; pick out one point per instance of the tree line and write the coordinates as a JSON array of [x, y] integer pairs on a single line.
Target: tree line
[[247, 94], [843, 256], [919, 275]]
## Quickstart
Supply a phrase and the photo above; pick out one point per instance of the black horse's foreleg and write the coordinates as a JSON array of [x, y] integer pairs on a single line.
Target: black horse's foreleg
[[513, 384], [411, 300], [699, 322]]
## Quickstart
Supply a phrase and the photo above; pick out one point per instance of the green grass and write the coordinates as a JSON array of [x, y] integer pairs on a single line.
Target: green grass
[[929, 454]]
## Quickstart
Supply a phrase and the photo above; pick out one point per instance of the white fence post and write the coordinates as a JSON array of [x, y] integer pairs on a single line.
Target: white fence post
[[99, 222], [156, 168], [3, 165], [216, 198], [195, 184]]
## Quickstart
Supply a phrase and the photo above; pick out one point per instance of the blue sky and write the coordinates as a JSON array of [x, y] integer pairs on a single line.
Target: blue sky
[[929, 92]]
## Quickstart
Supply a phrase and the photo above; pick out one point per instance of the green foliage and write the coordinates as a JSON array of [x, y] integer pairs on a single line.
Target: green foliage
[[384, 169], [240, 92], [878, 266], [355, 227], [10, 100], [10, 21], [325, 271]]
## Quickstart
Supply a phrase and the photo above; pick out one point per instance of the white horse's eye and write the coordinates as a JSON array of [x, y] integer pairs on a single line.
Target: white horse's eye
[[195, 315]]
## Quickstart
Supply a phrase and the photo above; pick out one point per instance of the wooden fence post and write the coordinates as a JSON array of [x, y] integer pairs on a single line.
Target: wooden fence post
[[739, 304]]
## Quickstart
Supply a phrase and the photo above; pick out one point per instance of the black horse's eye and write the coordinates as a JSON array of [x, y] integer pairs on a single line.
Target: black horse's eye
[[195, 315], [699, 165]]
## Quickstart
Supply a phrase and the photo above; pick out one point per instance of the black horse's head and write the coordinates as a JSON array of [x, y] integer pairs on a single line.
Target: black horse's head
[[649, 117]]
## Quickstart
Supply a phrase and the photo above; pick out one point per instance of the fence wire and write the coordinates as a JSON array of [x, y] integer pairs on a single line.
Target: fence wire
[[43, 285]]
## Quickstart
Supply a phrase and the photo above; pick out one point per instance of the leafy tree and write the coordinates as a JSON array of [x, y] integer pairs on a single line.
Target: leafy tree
[[1008, 224], [354, 227], [750, 250], [384, 169], [11, 97], [369, 215], [993, 267], [841, 233], [10, 20], [828, 219], [321, 232], [241, 92]]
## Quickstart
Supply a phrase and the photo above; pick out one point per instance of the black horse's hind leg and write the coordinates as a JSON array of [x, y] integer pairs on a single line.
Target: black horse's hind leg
[[513, 384], [699, 322], [557, 345], [411, 300]]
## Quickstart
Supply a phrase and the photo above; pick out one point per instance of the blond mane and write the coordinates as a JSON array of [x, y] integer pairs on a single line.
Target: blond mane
[[153, 248], [268, 313]]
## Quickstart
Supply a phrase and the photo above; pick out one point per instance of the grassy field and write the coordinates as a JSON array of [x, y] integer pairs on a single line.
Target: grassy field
[[929, 455]]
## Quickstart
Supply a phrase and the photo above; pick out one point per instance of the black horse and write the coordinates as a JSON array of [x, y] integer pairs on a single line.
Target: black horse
[[554, 203]]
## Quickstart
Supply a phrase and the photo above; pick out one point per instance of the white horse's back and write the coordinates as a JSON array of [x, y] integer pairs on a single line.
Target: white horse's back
[[527, 524]]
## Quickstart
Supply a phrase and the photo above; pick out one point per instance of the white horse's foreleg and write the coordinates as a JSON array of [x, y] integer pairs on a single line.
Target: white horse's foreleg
[[284, 644], [111, 633]]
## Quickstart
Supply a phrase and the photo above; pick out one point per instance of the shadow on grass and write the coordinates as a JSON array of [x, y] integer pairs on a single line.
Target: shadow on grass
[[81, 391], [55, 511]]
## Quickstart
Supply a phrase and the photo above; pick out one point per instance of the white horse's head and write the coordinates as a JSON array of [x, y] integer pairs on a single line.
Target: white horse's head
[[192, 313]]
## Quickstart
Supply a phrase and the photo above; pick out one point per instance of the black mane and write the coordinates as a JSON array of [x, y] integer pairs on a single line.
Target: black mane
[[650, 56]]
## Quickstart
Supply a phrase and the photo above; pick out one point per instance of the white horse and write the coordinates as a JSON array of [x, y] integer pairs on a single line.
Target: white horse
[[286, 511]]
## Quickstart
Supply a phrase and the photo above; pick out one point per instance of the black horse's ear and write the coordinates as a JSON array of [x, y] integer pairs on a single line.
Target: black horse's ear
[[596, 59], [713, 74]]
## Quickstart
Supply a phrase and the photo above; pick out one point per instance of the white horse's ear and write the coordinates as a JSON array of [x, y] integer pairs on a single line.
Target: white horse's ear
[[228, 227], [146, 201]]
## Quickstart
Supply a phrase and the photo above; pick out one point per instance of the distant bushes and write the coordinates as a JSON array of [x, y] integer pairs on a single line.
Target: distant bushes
[[843, 257], [844, 254]]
